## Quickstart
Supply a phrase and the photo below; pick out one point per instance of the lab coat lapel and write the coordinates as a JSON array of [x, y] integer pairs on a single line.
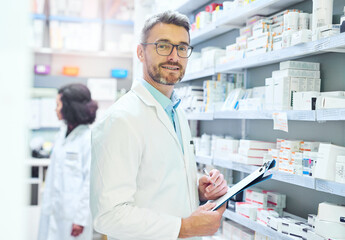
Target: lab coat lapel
[[149, 100], [187, 158]]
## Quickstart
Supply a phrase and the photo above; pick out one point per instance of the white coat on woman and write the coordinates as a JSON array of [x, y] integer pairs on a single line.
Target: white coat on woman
[[142, 182], [66, 192]]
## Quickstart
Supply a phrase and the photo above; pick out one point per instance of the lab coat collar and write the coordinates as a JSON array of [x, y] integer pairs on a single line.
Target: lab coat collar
[[149, 100], [75, 132]]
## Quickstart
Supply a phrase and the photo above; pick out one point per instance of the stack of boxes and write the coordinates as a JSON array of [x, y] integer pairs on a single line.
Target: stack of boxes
[[264, 34], [260, 204], [252, 152], [235, 231], [293, 76], [191, 98], [330, 221]]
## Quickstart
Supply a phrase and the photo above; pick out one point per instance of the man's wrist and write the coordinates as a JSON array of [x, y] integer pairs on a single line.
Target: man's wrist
[[186, 226]]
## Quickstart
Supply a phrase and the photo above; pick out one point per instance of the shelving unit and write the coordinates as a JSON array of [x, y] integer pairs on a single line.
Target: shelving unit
[[188, 6], [48, 81], [74, 19], [196, 75], [330, 44], [204, 160], [41, 163], [65, 52], [200, 116], [303, 181], [291, 115], [238, 17], [257, 227]]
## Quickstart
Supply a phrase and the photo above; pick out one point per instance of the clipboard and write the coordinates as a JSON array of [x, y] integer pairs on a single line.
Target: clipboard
[[259, 175]]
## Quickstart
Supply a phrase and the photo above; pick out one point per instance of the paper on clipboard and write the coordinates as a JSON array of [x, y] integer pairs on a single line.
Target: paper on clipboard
[[259, 175]]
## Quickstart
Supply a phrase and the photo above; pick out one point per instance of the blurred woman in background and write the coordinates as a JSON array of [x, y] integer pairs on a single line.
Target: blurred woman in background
[[65, 212]]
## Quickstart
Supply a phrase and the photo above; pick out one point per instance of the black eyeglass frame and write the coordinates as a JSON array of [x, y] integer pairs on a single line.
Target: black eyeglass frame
[[172, 49]]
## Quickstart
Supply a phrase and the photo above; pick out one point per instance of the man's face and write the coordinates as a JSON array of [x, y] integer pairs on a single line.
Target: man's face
[[167, 70]]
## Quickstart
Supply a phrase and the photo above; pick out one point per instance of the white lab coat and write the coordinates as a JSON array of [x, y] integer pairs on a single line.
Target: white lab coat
[[66, 191], [141, 181]]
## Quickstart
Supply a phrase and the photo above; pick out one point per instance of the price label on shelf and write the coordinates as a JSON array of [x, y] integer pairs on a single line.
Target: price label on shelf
[[280, 121]]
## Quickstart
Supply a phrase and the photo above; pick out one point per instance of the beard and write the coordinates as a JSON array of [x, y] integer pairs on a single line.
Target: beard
[[171, 79]]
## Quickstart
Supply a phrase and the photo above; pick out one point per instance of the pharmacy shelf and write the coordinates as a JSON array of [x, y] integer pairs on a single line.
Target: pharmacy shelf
[[200, 116], [243, 115], [208, 32], [237, 166], [48, 81], [204, 160], [330, 187], [205, 73], [66, 52], [330, 114], [330, 44], [238, 17], [119, 22], [189, 6], [38, 162], [257, 227], [37, 16], [291, 115], [259, 7], [303, 181], [74, 19]]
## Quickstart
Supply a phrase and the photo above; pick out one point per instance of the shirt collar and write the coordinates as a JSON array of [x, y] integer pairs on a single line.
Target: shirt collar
[[163, 100]]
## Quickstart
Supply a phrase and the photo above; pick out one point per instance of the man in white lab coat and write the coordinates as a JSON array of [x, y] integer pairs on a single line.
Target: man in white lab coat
[[143, 172]]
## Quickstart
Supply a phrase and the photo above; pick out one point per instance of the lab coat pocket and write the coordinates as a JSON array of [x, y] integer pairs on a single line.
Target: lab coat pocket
[[72, 171]]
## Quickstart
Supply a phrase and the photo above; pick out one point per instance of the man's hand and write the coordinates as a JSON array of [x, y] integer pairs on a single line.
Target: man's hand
[[212, 187], [76, 230], [202, 222]]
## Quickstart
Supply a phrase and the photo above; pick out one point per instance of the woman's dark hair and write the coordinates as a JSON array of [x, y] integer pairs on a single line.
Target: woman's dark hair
[[77, 105]]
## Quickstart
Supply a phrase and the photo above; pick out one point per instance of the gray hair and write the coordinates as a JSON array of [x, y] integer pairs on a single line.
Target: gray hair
[[167, 17]]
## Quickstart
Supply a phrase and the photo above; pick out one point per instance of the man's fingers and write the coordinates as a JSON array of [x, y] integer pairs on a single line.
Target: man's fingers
[[208, 206]]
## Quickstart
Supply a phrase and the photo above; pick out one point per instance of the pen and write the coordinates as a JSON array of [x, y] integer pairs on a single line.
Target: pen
[[206, 173]]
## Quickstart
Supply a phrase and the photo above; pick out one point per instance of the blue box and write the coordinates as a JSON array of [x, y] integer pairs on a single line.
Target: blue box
[[119, 73]]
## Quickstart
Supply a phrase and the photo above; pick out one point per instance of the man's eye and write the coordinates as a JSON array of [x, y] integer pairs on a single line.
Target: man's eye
[[182, 48], [163, 46]]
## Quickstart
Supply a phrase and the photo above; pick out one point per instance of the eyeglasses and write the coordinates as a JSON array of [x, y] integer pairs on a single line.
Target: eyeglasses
[[165, 49]]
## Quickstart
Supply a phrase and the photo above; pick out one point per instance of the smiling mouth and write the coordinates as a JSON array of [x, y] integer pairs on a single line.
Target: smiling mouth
[[171, 67]]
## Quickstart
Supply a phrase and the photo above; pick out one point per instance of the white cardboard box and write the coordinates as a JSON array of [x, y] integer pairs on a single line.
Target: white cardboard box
[[299, 65], [296, 73], [327, 155], [256, 144], [331, 212]]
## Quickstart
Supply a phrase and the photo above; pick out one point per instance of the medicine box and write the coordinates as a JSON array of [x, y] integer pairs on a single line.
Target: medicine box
[[252, 152], [331, 212], [299, 65], [277, 42], [256, 144], [259, 40], [224, 148], [305, 100], [327, 155], [329, 230], [301, 36], [295, 73], [330, 102]]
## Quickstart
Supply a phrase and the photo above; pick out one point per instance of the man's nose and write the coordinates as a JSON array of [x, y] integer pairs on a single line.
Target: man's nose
[[173, 55]]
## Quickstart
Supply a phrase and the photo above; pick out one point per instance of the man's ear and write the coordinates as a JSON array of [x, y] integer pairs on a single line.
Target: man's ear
[[140, 53]]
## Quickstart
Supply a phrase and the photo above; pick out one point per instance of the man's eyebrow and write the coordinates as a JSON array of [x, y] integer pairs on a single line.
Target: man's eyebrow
[[167, 40]]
